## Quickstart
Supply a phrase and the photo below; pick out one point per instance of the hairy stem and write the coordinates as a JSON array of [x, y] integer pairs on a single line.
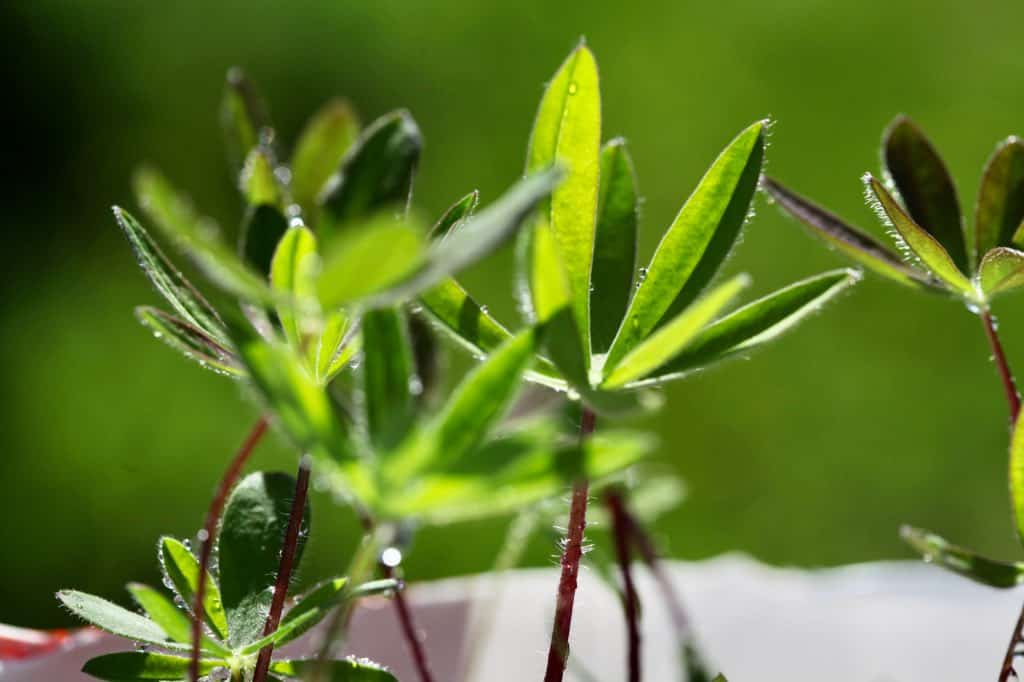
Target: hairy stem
[[207, 535], [284, 568], [409, 631], [622, 530], [1009, 384], [572, 552]]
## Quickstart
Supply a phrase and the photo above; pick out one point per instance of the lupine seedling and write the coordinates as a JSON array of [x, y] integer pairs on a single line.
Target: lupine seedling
[[973, 261], [236, 605], [612, 331]]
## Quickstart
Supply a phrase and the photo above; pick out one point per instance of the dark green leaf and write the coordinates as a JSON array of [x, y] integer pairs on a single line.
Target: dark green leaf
[[115, 619], [320, 149], [243, 116], [181, 570], [388, 377], [925, 187], [567, 131], [139, 665], [999, 212], [696, 243], [347, 670], [963, 561], [162, 611], [254, 526], [263, 229], [614, 246], [1001, 270], [190, 341], [455, 215], [377, 172]]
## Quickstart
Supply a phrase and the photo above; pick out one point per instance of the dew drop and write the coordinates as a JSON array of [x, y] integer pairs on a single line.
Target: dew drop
[[391, 557], [573, 88]]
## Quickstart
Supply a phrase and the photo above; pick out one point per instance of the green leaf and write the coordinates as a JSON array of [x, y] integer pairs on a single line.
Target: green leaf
[[758, 323], [254, 527], [292, 272], [139, 665], [668, 341], [1001, 270], [474, 408], [388, 377], [696, 243], [615, 244], [313, 606], [257, 181], [115, 619], [168, 616], [937, 550], [346, 670], [377, 172], [362, 262], [321, 147], [190, 341], [199, 238], [335, 347], [567, 131], [456, 214], [243, 117], [999, 212], [852, 242], [925, 187], [921, 243], [169, 282], [1017, 473], [181, 570], [261, 233]]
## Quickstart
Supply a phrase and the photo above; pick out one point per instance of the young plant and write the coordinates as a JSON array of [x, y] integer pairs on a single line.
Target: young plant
[[236, 606], [612, 331], [972, 262]]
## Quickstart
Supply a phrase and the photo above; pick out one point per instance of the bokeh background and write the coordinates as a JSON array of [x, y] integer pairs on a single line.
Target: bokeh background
[[884, 409]]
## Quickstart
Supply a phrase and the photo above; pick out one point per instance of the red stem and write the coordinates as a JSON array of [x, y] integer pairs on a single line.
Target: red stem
[[650, 556], [213, 514], [412, 638], [1009, 385], [284, 568], [622, 529], [558, 653]]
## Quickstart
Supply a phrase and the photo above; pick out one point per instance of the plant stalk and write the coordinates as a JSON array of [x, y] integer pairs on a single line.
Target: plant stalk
[[285, 567], [572, 553], [412, 638], [207, 536], [622, 530]]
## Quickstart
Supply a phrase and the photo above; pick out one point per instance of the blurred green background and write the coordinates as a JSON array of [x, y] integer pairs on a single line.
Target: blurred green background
[[884, 409]]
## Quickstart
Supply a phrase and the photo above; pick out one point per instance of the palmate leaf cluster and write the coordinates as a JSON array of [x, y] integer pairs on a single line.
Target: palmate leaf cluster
[[235, 604]]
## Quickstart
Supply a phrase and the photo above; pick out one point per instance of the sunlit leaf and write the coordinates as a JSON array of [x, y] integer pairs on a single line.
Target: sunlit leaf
[[262, 230], [758, 322], [669, 340], [1001, 270], [257, 181], [925, 187], [922, 244], [388, 377], [696, 243], [144, 665], [319, 151], [614, 246], [336, 346], [852, 242], [999, 213], [174, 621], [115, 619], [254, 526], [292, 271], [346, 670], [567, 131], [181, 570], [1017, 473], [313, 606], [243, 116], [376, 172], [191, 342], [963, 561]]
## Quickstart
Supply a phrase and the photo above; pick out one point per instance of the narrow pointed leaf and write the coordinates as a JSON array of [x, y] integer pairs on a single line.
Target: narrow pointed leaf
[[1001, 270], [388, 377], [140, 665], [999, 212], [292, 271], [696, 243], [851, 241], [257, 181], [567, 131], [313, 607], [614, 245], [376, 172], [255, 521], [116, 620], [456, 214], [322, 145], [336, 346], [670, 340], [1017, 473], [963, 561], [243, 117], [174, 621], [190, 341], [925, 187], [181, 570], [346, 670], [264, 227], [473, 409], [757, 323], [922, 244], [169, 282]]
